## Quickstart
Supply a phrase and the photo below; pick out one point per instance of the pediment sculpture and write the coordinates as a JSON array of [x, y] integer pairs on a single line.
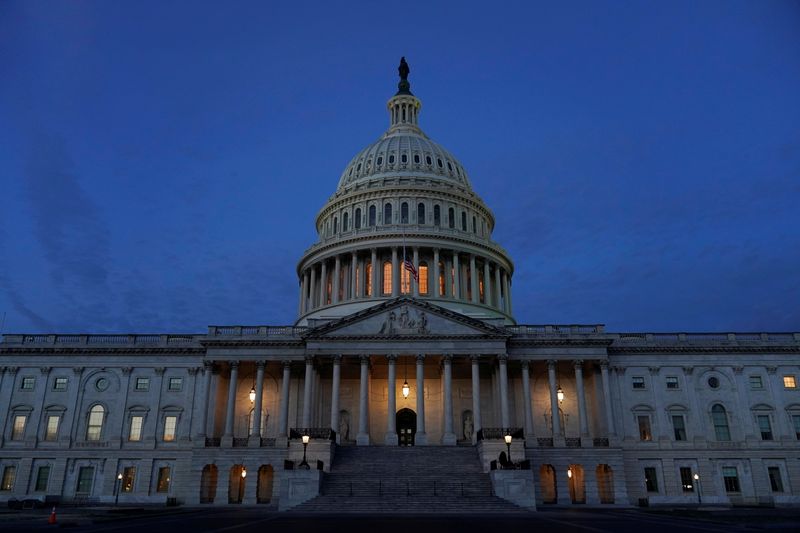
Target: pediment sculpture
[[407, 322]]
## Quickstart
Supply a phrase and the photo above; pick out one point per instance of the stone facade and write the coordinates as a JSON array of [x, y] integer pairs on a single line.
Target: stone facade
[[602, 418]]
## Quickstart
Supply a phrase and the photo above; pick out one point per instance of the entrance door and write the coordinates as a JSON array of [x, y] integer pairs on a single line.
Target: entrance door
[[406, 427]]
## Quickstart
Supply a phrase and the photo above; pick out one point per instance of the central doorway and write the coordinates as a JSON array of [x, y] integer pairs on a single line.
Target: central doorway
[[406, 427]]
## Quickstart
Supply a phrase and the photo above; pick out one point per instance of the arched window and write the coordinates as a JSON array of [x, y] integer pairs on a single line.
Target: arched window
[[423, 278], [387, 277], [463, 221], [329, 287], [404, 213], [480, 289], [416, 158], [404, 158], [387, 214], [420, 213], [95, 426], [428, 160], [451, 218], [441, 279], [368, 278], [720, 419], [345, 221], [437, 215], [405, 281], [474, 225], [371, 221], [335, 225], [357, 218]]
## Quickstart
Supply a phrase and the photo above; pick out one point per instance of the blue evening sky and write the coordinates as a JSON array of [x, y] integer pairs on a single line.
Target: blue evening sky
[[162, 162]]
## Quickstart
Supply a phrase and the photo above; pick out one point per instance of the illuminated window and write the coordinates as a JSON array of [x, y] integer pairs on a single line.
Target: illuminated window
[[18, 430], [405, 281], [480, 290], [451, 218], [9, 475], [51, 432], [720, 420], [441, 279], [162, 485], [357, 219], [371, 221], [135, 434], [95, 426], [358, 280], [404, 213], [644, 427], [387, 214], [128, 476], [789, 382], [170, 424], [423, 278], [420, 213], [368, 278], [437, 215], [387, 277], [328, 287]]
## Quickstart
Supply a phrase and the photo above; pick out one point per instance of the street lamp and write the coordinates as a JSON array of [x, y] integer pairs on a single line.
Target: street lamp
[[697, 484], [304, 463], [508, 445], [569, 472], [244, 472], [117, 486]]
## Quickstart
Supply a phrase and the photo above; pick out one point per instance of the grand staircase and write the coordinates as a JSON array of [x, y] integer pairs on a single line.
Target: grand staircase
[[413, 480]]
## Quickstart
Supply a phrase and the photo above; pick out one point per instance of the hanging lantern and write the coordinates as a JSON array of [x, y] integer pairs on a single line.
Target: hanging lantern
[[252, 395], [406, 389], [560, 394]]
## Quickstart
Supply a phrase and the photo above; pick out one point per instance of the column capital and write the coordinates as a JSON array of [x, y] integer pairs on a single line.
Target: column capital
[[604, 364], [654, 370], [475, 358], [309, 359], [551, 364], [364, 359], [578, 364], [337, 359], [286, 364], [234, 364], [525, 364], [208, 365], [126, 370], [447, 358], [502, 357], [738, 370], [45, 370], [260, 365], [391, 358], [159, 370]]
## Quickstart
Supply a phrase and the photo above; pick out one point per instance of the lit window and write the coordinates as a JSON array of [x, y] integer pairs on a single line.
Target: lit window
[[423, 278], [128, 476], [60, 384], [720, 419], [775, 481], [136, 428], [95, 426], [42, 476], [368, 278], [679, 427], [756, 383], [672, 382], [650, 479], [51, 433], [481, 295], [142, 384], [18, 431], [170, 423], [28, 382], [764, 427], [387, 277], [162, 484], [442, 285], [405, 281], [638, 382], [789, 382], [9, 474], [644, 427], [687, 479], [175, 384], [731, 478]]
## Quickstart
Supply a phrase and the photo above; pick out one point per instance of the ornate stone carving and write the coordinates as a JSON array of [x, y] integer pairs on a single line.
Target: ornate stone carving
[[12, 370], [404, 323], [654, 370], [578, 364], [772, 369], [77, 370], [159, 370], [688, 370], [45, 370], [738, 370], [126, 370], [193, 370]]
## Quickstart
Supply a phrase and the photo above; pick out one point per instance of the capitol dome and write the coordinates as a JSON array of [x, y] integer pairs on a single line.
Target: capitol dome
[[404, 200]]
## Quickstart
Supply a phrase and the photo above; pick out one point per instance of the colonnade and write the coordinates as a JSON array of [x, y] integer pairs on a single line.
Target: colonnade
[[447, 274]]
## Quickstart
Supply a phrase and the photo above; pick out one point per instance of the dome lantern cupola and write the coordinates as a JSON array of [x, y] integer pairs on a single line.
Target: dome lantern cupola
[[404, 107]]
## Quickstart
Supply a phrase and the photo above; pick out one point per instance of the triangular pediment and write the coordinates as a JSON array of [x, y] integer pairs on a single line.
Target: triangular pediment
[[401, 317]]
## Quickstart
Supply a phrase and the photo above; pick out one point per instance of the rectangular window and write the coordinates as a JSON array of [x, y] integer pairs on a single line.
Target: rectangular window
[[679, 427], [644, 427], [136, 428], [128, 475], [163, 479], [170, 422], [756, 383], [731, 479], [60, 384], [789, 382], [672, 382], [28, 382], [638, 382], [687, 479], [9, 474], [42, 476], [764, 427], [51, 433], [143, 384], [650, 479], [85, 478], [18, 431], [796, 423], [175, 384], [775, 480]]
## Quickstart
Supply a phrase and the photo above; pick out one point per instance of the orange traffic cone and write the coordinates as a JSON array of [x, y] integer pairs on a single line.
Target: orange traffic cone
[[52, 519]]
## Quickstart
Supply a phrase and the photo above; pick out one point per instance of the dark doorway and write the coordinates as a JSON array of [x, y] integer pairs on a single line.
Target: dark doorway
[[406, 427]]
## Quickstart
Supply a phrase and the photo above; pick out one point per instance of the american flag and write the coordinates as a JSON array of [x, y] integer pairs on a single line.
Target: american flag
[[408, 265]]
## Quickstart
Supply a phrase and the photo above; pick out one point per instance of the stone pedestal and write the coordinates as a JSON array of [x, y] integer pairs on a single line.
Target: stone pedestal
[[515, 486], [298, 486]]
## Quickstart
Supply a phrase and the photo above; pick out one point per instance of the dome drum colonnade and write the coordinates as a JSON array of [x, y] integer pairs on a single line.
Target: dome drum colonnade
[[404, 197]]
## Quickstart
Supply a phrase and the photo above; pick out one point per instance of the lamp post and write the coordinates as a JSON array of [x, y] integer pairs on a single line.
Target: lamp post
[[697, 484], [304, 463], [117, 485], [508, 445]]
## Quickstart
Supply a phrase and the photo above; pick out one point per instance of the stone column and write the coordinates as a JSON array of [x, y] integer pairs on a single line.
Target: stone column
[[433, 285], [507, 303], [323, 285], [207, 366], [337, 273], [526, 398], [231, 408], [449, 437], [415, 284], [312, 288], [353, 276], [607, 399], [448, 278], [456, 277], [503, 367], [374, 262], [554, 414], [498, 293], [487, 283], [283, 421], [336, 379], [583, 421], [421, 438], [307, 391], [258, 400], [395, 273], [473, 279], [391, 411], [476, 397], [362, 439], [302, 307]]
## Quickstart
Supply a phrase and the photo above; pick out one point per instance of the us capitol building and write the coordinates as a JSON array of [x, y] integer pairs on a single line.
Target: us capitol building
[[405, 368]]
